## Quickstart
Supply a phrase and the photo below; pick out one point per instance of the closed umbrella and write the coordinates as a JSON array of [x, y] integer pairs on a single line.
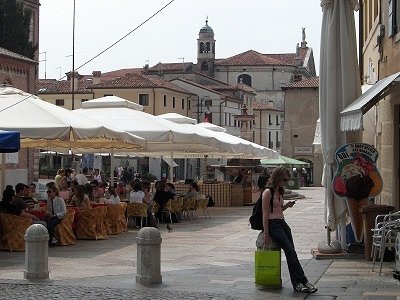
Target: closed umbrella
[[339, 86]]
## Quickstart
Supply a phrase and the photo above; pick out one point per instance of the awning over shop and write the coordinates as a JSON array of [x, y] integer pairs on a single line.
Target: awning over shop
[[168, 161], [351, 116]]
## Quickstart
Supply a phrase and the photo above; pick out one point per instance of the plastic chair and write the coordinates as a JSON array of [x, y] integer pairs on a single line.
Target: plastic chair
[[136, 210], [384, 236], [201, 203], [166, 209], [176, 206]]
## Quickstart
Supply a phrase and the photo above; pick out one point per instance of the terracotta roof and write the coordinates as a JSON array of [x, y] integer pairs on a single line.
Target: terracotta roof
[[119, 73], [171, 67], [139, 81], [207, 87], [62, 87], [254, 58], [312, 82], [264, 106]]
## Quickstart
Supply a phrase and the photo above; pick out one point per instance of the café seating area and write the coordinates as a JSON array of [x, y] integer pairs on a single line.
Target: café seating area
[[96, 223]]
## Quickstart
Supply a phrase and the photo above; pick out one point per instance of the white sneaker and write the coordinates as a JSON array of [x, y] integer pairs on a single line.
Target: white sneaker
[[53, 241]]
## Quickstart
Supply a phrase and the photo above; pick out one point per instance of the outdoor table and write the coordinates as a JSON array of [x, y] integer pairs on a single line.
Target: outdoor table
[[40, 214]]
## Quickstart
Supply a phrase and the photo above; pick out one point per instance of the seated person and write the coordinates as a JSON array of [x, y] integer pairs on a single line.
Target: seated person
[[148, 196], [63, 189], [20, 193], [72, 189], [136, 195], [114, 198], [32, 191], [56, 211], [161, 197], [169, 187], [6, 206], [121, 190], [80, 200], [98, 193], [193, 191], [88, 191]]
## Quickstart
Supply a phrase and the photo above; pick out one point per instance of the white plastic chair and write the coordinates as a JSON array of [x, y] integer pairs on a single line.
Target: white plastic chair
[[384, 236]]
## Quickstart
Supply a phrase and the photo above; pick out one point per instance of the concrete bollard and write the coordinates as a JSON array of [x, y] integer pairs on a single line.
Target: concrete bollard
[[36, 252], [148, 256]]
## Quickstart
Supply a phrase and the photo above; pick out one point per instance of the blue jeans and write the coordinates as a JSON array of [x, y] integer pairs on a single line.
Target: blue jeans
[[281, 234]]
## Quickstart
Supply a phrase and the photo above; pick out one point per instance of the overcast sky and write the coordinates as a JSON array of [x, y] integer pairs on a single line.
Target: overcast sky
[[266, 26]]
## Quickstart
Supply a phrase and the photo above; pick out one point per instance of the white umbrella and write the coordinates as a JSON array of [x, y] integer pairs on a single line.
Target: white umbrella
[[339, 86], [162, 136], [45, 125]]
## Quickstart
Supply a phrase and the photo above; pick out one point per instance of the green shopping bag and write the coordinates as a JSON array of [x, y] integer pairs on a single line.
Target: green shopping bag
[[268, 268]]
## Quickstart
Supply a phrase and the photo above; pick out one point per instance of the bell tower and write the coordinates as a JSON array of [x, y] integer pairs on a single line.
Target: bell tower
[[206, 50]]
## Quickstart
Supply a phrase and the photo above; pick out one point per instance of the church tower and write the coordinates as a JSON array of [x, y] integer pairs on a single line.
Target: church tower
[[206, 50]]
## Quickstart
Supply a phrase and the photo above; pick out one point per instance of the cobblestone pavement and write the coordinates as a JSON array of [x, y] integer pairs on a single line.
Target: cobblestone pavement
[[46, 291], [200, 259]]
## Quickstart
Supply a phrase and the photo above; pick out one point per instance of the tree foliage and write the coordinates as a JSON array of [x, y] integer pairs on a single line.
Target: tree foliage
[[15, 28]]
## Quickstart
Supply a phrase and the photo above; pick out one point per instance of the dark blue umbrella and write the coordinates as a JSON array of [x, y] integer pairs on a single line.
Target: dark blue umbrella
[[9, 141]]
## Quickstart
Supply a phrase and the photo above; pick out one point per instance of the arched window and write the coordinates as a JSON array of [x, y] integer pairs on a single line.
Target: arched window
[[207, 49], [204, 66], [244, 78], [202, 47]]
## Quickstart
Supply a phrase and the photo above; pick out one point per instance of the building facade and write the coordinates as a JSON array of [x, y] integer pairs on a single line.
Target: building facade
[[380, 59], [301, 115]]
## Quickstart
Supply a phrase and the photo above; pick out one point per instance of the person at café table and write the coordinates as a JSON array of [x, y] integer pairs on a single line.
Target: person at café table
[[20, 194], [114, 198], [8, 207], [56, 210], [161, 197], [148, 196], [136, 195], [98, 192], [32, 191], [193, 191], [63, 189], [80, 199], [72, 189], [121, 190]]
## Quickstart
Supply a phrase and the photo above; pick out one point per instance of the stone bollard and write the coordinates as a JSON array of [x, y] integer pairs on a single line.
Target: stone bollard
[[148, 256], [36, 252]]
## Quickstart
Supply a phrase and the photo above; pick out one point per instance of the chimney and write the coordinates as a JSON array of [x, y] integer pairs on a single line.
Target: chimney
[[74, 78], [96, 77]]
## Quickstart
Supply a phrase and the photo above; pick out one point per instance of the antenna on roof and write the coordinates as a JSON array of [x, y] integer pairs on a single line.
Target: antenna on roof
[[183, 59]]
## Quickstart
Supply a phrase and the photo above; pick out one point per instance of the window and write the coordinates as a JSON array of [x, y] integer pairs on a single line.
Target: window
[[183, 104], [270, 143], [277, 139], [244, 78], [277, 120], [269, 120], [165, 100], [60, 102], [189, 104], [173, 102], [144, 99], [393, 17]]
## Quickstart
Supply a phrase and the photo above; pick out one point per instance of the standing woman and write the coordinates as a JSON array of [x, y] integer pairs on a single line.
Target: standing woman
[[276, 229]]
